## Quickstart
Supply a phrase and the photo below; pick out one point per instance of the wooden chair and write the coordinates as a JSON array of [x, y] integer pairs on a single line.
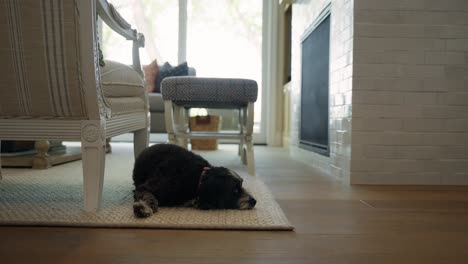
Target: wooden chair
[[51, 86]]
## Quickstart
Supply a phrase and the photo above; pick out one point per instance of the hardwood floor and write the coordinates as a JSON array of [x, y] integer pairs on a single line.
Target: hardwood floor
[[334, 223]]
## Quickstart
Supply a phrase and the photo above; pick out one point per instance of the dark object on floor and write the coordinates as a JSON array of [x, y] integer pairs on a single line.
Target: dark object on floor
[[10, 146], [169, 175]]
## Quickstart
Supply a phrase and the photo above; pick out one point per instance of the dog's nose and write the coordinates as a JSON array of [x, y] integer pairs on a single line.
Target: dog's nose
[[252, 201]]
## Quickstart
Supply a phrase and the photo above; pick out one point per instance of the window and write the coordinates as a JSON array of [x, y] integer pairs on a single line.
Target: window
[[157, 20], [224, 39], [220, 38]]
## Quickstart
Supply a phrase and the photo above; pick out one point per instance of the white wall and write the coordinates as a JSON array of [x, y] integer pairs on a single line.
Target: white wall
[[410, 92], [341, 27]]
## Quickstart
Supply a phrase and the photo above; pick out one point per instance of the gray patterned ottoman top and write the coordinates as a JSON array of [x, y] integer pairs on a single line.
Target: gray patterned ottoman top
[[192, 91]]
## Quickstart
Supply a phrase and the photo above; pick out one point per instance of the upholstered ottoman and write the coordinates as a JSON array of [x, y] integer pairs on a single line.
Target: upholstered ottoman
[[182, 93]]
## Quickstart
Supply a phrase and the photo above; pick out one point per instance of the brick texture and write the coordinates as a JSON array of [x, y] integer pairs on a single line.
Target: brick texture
[[398, 90], [341, 56], [410, 92]]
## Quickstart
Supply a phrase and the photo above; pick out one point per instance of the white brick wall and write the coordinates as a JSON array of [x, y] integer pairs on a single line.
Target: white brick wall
[[398, 90], [410, 92], [341, 56]]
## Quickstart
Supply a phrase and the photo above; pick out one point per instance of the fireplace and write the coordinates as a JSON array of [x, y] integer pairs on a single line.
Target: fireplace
[[314, 114]]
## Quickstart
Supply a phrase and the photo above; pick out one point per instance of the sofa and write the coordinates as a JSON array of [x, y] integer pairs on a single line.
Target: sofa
[[156, 105]]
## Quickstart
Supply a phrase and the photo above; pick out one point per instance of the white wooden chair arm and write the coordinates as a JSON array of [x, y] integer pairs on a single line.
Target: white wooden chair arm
[[117, 23], [112, 18]]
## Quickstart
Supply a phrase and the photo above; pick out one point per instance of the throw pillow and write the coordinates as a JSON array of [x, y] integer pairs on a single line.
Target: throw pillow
[[167, 70], [151, 71]]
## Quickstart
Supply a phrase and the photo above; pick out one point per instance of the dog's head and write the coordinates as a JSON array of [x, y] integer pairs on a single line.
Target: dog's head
[[221, 188]]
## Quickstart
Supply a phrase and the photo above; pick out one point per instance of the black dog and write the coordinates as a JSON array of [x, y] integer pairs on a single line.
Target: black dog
[[169, 175]]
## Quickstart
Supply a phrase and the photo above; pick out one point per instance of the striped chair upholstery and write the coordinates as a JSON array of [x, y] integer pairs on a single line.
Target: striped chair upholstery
[[46, 83], [39, 57], [52, 87]]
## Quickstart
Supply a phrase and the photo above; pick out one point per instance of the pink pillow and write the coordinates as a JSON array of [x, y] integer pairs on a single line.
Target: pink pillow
[[151, 72]]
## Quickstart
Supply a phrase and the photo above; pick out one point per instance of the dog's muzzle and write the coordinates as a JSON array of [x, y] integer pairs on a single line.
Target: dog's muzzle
[[247, 202]]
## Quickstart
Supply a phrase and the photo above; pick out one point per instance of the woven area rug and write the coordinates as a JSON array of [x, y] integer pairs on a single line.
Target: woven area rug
[[53, 197]]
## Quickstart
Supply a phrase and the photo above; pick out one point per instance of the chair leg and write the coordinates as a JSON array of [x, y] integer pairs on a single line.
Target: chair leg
[[42, 159], [93, 148], [140, 141], [93, 176]]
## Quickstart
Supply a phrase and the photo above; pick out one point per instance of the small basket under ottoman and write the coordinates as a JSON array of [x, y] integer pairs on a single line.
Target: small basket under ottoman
[[205, 124]]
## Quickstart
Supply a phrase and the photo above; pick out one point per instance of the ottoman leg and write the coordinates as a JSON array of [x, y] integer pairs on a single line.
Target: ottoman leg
[[250, 158], [241, 131], [169, 120], [249, 139], [186, 120], [181, 117]]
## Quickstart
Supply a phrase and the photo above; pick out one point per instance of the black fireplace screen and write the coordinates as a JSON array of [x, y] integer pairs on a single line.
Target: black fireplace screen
[[314, 89]]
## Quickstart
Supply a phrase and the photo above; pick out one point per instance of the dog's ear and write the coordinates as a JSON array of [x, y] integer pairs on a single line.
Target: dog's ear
[[204, 174], [215, 190], [209, 189], [235, 175], [206, 197]]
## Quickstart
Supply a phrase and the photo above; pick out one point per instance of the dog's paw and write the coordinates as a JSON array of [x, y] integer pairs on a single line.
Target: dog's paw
[[191, 203], [142, 210]]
